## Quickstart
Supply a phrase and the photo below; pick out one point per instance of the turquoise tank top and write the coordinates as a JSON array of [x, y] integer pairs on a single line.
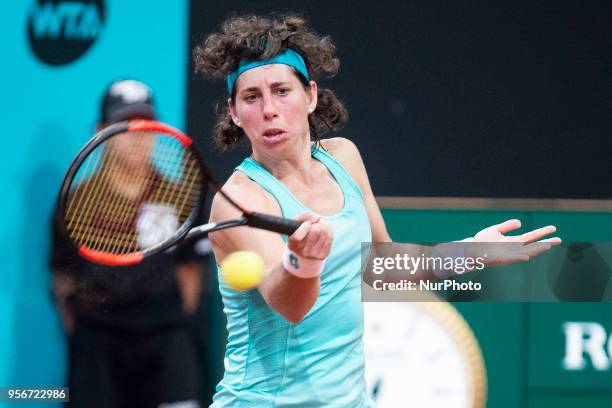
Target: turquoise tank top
[[318, 362]]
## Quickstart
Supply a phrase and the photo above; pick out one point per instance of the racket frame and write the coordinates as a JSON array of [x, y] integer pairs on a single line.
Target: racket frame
[[186, 231], [101, 137]]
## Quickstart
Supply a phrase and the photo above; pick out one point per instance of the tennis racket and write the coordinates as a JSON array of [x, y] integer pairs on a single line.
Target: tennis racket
[[136, 189]]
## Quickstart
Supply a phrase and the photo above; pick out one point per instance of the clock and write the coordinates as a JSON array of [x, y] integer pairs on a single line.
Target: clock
[[422, 355]]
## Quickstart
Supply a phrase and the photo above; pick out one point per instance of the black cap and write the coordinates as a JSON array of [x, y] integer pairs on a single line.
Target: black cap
[[127, 99]]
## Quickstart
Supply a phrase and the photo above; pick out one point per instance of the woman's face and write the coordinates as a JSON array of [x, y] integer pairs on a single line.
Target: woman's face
[[272, 107]]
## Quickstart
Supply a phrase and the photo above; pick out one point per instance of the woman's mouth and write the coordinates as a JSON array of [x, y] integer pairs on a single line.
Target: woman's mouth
[[273, 135]]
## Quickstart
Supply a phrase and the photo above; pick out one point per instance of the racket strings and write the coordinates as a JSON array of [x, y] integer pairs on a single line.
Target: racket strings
[[103, 211], [166, 165], [188, 188], [131, 194], [78, 200], [110, 207], [89, 200], [184, 196], [133, 185], [116, 228]]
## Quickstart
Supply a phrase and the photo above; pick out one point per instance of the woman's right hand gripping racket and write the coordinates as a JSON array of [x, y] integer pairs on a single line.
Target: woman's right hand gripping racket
[[136, 189]]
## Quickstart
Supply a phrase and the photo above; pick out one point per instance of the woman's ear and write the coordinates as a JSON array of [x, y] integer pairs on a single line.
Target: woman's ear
[[232, 111], [312, 97]]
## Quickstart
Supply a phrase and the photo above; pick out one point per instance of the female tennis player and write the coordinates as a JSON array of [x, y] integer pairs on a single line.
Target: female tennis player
[[297, 340]]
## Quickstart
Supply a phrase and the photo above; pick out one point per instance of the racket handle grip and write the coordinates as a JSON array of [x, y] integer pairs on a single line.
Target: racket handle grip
[[271, 223]]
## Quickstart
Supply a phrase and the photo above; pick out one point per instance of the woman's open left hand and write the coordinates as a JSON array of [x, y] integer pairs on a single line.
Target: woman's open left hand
[[505, 249]]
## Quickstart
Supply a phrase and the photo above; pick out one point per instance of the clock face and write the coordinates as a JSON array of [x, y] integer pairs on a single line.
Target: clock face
[[413, 359]]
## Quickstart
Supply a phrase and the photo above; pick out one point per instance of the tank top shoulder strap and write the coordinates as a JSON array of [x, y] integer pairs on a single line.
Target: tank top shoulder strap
[[289, 204], [344, 179], [268, 182]]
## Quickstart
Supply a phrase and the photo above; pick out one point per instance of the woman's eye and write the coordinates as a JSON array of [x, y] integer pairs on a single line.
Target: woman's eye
[[250, 98], [282, 91]]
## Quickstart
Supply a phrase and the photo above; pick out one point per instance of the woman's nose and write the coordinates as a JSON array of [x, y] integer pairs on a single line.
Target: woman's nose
[[269, 110]]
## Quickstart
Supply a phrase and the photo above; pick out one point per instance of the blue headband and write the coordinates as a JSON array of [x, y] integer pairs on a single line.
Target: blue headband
[[289, 57]]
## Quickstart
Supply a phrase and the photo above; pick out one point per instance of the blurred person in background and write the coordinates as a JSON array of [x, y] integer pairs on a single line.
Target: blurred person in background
[[129, 335]]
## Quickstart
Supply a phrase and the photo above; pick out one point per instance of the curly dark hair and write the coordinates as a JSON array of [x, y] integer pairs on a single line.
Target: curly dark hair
[[255, 37]]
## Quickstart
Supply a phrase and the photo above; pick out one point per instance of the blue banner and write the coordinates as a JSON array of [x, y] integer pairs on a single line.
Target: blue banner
[[58, 58]]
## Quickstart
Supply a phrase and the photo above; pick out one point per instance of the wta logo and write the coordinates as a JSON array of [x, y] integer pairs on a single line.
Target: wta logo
[[62, 31]]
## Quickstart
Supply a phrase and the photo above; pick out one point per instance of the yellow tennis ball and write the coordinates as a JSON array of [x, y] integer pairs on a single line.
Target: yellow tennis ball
[[242, 270]]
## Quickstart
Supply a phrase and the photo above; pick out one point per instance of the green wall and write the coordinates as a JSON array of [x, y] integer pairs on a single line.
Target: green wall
[[523, 343]]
